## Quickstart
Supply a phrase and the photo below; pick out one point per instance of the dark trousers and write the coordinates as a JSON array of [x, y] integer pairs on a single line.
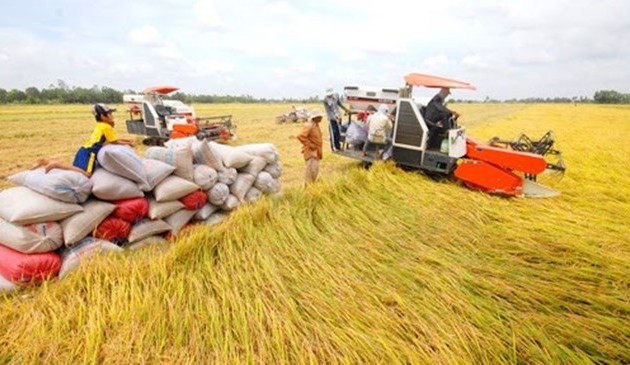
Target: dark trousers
[[334, 134]]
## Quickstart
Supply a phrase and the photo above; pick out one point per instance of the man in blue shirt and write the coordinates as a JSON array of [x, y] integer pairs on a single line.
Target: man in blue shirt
[[332, 103]]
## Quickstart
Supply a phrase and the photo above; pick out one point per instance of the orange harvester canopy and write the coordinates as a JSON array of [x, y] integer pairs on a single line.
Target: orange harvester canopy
[[415, 79], [162, 90]]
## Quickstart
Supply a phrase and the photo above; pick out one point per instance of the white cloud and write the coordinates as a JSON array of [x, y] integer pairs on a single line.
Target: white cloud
[[146, 35], [244, 46], [169, 52], [475, 61], [207, 14], [436, 62]]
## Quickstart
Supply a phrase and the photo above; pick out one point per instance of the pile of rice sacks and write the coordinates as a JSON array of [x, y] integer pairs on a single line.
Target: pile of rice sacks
[[51, 221]]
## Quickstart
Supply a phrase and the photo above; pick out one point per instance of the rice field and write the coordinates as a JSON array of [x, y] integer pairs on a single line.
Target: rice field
[[365, 266]]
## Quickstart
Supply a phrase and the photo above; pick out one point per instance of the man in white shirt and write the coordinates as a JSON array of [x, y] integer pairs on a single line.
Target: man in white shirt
[[379, 127]]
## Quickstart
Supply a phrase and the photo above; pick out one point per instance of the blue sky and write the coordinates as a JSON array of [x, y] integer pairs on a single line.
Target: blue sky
[[269, 48]]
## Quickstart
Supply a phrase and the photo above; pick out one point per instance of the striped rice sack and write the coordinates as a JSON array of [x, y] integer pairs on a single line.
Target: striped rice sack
[[205, 176], [147, 228], [180, 158], [218, 194], [179, 219], [32, 238], [265, 150], [230, 156], [63, 185], [204, 154], [78, 226], [123, 161], [156, 172], [159, 210]]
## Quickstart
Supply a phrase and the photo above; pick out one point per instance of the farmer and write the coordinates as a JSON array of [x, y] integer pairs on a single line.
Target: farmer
[[438, 116], [332, 103], [311, 139], [379, 128], [85, 158]]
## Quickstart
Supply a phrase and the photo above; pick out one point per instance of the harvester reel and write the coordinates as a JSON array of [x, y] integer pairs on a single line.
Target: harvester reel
[[544, 147]]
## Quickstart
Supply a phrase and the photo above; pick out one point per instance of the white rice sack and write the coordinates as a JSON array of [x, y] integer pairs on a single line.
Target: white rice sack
[[153, 240], [230, 156], [78, 226], [241, 185], [173, 188], [231, 203], [6, 285], [156, 172], [274, 187], [108, 186], [32, 238], [203, 154], [216, 218], [72, 257], [205, 176], [159, 210], [205, 212], [253, 195], [218, 194], [64, 185], [274, 169], [21, 205], [179, 219], [177, 143], [180, 158], [264, 182], [147, 228], [227, 176], [265, 150], [255, 166], [123, 161]]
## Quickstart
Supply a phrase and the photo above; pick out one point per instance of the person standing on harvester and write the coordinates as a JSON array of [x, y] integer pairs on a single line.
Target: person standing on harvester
[[332, 103]]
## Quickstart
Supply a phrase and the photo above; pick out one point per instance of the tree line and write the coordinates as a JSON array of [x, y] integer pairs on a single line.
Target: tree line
[[61, 93]]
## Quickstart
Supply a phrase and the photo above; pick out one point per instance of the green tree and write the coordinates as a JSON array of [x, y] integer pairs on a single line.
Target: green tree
[[16, 96]]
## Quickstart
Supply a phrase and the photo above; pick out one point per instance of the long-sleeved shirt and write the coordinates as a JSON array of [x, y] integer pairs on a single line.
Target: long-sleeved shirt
[[311, 139], [436, 111]]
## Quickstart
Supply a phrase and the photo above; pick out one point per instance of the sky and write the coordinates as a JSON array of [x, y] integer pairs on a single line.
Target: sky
[[298, 48]]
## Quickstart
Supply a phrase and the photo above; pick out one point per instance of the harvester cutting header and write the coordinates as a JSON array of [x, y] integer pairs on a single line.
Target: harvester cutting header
[[499, 166], [161, 119]]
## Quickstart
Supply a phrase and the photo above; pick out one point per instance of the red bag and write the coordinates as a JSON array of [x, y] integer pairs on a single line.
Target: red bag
[[131, 210], [195, 200], [21, 268], [113, 229]]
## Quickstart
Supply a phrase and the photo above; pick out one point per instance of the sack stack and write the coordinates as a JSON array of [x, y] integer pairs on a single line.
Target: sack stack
[[51, 221]]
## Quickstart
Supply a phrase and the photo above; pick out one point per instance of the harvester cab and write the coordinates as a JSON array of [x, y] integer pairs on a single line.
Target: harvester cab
[[495, 168], [160, 119]]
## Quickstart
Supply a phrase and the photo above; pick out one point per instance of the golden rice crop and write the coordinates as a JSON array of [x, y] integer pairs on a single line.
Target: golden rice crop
[[365, 266]]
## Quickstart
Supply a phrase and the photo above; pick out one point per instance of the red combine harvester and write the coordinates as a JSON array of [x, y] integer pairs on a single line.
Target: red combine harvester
[[160, 119], [502, 167]]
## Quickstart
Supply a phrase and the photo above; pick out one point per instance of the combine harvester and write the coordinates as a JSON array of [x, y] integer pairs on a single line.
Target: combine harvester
[[499, 167], [160, 119]]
